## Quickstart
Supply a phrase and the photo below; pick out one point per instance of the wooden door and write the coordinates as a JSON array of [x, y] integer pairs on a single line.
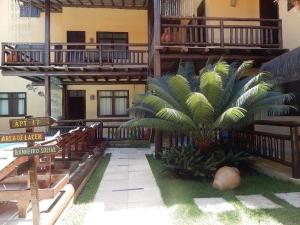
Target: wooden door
[[76, 104], [77, 55], [269, 10]]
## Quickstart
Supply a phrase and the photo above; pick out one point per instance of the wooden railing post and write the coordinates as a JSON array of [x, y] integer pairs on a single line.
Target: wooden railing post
[[100, 55], [280, 38], [295, 152], [222, 37], [3, 54]]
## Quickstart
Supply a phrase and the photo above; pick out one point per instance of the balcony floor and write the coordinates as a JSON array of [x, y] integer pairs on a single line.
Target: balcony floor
[[123, 74]]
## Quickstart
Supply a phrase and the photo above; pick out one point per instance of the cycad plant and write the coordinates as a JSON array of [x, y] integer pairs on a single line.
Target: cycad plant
[[221, 97]]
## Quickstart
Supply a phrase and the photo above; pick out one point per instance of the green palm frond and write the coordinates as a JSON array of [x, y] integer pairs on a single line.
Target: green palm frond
[[141, 109], [212, 87], [243, 68], [261, 77], [176, 117], [154, 103], [253, 94], [180, 88], [222, 68], [161, 89], [200, 107], [230, 117], [272, 110]]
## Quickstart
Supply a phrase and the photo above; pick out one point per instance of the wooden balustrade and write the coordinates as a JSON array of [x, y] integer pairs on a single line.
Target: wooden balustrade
[[115, 133], [281, 148], [221, 32], [75, 54]]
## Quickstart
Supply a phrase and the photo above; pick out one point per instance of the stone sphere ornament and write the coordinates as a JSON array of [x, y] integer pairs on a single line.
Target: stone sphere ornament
[[227, 178]]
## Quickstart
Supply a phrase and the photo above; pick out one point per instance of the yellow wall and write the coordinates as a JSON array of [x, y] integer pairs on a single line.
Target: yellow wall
[[222, 8], [35, 103], [290, 23], [91, 105], [89, 20]]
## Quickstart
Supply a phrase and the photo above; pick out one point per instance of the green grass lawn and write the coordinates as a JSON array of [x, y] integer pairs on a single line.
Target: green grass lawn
[[74, 215], [178, 196]]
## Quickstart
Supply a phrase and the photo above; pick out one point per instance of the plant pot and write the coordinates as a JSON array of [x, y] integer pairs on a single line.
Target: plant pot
[[227, 178]]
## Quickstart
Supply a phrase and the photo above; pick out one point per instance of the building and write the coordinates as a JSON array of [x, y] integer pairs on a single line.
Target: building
[[86, 59]]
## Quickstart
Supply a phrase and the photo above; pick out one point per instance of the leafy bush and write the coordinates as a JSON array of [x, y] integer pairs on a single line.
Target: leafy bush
[[222, 96], [189, 162]]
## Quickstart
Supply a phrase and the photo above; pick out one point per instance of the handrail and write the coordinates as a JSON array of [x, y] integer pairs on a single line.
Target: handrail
[[219, 18], [221, 32], [72, 54], [278, 123]]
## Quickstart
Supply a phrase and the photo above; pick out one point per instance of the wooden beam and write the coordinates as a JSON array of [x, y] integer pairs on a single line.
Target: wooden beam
[[47, 31], [47, 96]]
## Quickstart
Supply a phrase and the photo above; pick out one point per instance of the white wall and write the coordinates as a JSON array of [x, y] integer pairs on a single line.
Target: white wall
[[291, 25]]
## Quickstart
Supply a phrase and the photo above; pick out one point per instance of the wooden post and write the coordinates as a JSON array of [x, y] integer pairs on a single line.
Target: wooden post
[[64, 101], [47, 32], [33, 182], [295, 152], [222, 36], [280, 38], [47, 96], [157, 65], [3, 54], [47, 58]]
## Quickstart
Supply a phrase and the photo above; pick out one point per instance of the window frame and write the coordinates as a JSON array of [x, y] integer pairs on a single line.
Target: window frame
[[112, 40], [28, 12], [113, 98], [11, 101]]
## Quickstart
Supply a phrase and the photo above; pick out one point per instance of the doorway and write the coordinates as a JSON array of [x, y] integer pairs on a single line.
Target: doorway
[[76, 105], [75, 37], [269, 10]]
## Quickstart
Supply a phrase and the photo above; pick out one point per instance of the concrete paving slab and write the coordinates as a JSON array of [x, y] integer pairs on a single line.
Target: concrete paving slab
[[257, 202], [292, 198], [213, 205]]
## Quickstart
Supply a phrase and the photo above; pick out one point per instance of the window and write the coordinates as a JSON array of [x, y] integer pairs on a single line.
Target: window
[[113, 103], [12, 104], [29, 11], [112, 37], [118, 51]]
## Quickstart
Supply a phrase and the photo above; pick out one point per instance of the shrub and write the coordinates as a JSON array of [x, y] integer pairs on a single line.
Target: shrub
[[187, 161]]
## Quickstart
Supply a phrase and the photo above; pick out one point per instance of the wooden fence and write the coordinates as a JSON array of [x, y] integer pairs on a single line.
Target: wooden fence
[[281, 148], [78, 54], [222, 32]]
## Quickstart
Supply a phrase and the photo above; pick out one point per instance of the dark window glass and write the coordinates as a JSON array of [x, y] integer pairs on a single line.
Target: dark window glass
[[12, 104]]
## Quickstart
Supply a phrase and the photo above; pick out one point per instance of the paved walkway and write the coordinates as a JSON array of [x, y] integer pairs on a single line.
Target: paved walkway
[[128, 193]]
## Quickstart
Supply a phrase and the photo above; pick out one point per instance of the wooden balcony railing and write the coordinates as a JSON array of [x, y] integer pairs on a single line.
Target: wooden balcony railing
[[75, 54], [221, 32]]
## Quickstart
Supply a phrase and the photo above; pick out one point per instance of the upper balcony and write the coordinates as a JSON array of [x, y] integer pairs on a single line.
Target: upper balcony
[[76, 54], [109, 62]]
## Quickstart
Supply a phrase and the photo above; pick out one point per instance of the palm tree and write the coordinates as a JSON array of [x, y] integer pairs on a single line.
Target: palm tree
[[221, 97]]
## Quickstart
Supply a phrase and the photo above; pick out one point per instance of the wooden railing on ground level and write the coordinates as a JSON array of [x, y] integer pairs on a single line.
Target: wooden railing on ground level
[[115, 133], [281, 148], [110, 132], [75, 54], [221, 32]]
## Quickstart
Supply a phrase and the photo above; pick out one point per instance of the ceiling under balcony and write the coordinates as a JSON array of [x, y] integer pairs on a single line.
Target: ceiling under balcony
[[57, 5]]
